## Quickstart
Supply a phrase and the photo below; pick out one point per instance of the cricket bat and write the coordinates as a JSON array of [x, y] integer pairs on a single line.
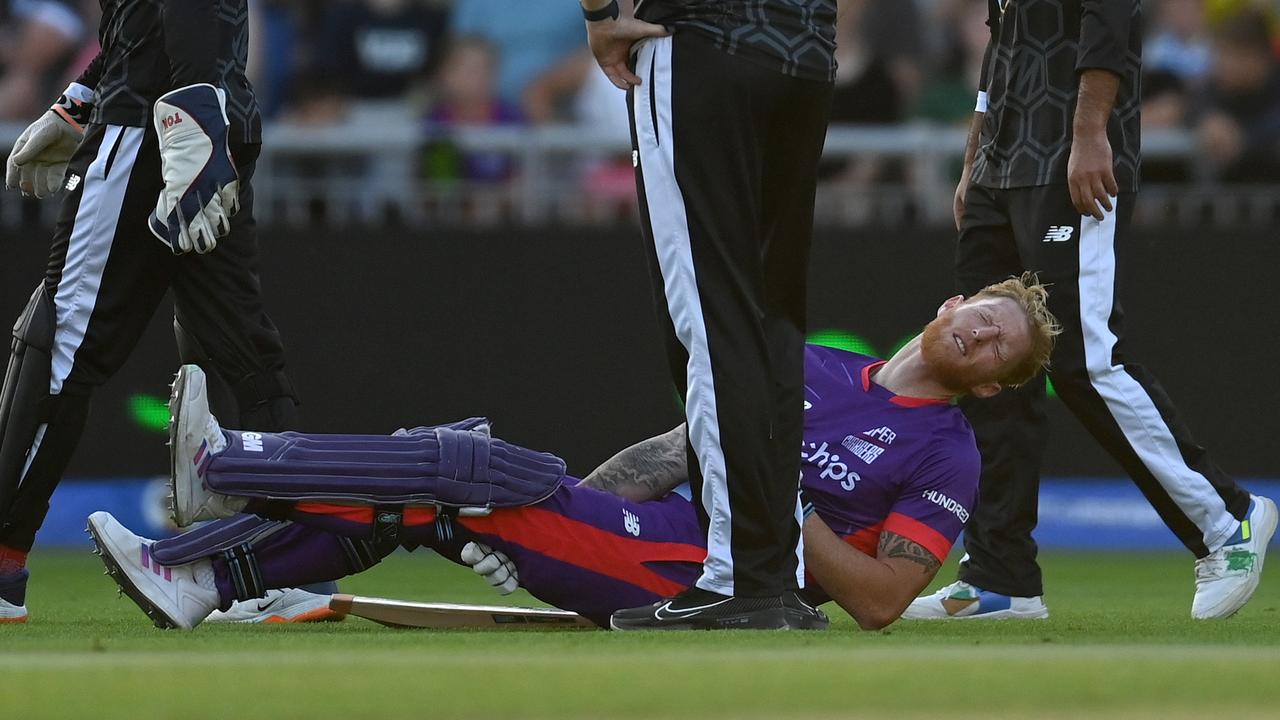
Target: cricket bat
[[402, 613]]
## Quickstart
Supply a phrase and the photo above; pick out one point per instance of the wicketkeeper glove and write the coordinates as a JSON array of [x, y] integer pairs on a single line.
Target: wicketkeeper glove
[[38, 162], [492, 565], [201, 186]]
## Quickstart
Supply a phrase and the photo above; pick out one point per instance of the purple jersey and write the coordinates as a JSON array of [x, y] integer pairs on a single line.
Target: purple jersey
[[874, 461], [871, 462]]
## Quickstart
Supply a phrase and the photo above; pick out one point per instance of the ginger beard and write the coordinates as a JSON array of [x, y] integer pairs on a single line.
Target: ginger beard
[[943, 358]]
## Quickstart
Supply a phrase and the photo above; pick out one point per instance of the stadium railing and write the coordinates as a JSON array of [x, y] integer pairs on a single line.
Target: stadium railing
[[891, 175]]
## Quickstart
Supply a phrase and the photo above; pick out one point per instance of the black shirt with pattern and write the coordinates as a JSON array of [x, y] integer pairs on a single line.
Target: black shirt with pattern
[[1032, 77], [795, 37], [150, 47]]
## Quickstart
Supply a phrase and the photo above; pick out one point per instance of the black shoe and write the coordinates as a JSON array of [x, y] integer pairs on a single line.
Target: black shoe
[[801, 615], [698, 609]]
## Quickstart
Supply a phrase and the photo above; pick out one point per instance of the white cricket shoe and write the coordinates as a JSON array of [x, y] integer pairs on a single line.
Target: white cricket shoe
[[178, 596], [10, 613], [1227, 577], [13, 586], [194, 438], [962, 601], [290, 605]]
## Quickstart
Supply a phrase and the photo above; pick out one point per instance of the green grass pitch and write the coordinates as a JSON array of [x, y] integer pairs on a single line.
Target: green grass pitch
[[1120, 644]]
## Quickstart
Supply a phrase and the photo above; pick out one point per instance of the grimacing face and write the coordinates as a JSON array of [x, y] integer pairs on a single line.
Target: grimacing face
[[976, 342]]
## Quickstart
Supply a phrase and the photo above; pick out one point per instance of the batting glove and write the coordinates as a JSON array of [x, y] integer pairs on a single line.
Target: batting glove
[[492, 565], [201, 186], [39, 159]]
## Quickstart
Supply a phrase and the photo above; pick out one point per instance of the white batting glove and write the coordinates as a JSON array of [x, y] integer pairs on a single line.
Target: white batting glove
[[201, 186], [492, 565], [38, 162]]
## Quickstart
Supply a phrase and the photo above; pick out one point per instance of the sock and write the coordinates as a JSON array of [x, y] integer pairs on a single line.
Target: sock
[[13, 588], [12, 561]]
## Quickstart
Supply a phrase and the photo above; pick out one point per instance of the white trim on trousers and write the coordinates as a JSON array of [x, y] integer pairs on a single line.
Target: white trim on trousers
[[1128, 402], [668, 219], [89, 246]]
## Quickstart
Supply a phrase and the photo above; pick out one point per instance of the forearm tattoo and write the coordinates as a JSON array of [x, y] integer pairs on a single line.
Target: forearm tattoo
[[893, 545], [646, 470]]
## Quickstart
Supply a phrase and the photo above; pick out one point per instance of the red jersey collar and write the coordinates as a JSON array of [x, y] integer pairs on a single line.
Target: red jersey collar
[[903, 400]]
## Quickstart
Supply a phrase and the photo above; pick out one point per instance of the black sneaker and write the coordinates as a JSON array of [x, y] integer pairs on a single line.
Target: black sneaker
[[801, 615], [698, 609]]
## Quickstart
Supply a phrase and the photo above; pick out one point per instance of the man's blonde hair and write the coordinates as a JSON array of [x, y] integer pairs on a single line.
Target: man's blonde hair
[[1033, 298]]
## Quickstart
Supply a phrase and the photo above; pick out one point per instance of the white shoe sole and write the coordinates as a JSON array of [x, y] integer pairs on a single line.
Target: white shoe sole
[[291, 606], [1263, 527], [1009, 614], [182, 472], [12, 614]]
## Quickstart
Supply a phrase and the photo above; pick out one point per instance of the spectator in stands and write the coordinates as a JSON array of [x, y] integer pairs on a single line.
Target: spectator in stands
[[1166, 102], [531, 36], [468, 96], [1178, 42], [878, 76], [575, 92], [1240, 132], [947, 95], [380, 49], [39, 39]]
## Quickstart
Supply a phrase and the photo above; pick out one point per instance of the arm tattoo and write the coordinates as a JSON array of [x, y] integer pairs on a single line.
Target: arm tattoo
[[645, 471], [893, 545]]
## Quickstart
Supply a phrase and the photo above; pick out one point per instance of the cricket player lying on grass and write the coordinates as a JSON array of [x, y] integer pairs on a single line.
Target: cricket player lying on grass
[[889, 475]]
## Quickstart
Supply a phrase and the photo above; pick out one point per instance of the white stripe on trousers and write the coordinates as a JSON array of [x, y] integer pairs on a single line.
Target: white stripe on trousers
[[668, 219], [1127, 401], [89, 246]]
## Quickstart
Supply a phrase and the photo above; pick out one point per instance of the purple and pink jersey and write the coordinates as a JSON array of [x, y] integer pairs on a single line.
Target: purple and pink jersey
[[877, 462], [871, 462]]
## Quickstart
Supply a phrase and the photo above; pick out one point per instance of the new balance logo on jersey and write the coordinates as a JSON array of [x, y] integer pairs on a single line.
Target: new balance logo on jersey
[[1059, 233], [73, 182], [252, 441], [630, 522]]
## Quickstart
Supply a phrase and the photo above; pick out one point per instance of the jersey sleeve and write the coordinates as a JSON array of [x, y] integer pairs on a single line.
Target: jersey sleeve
[[1104, 34], [935, 504], [92, 73], [191, 41], [993, 23]]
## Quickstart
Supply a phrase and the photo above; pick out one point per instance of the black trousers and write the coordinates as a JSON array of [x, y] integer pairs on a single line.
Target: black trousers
[[107, 274], [726, 157], [1085, 262]]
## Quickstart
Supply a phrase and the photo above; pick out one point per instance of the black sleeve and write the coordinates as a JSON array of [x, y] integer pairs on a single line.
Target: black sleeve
[[1104, 34], [89, 78], [191, 41], [993, 22]]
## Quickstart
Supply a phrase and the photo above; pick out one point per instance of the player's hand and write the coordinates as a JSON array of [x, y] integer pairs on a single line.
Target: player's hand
[[201, 187], [957, 203], [38, 162], [1091, 175], [492, 565], [611, 40]]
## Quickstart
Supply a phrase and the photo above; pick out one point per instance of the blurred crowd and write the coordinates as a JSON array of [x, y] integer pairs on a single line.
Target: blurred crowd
[[1212, 66]]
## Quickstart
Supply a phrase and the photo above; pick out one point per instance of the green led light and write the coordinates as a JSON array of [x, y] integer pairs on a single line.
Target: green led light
[[901, 344], [149, 412], [842, 340], [1048, 388]]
